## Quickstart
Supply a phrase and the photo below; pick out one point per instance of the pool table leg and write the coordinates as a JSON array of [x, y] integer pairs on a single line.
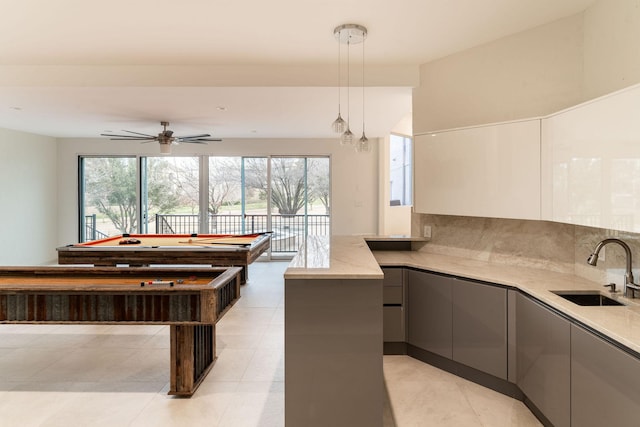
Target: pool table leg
[[193, 353], [244, 274]]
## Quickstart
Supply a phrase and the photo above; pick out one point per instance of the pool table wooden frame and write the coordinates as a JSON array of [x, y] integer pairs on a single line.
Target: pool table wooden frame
[[114, 295], [108, 252]]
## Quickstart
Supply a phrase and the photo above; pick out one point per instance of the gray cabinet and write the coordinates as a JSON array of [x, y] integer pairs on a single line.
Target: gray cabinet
[[543, 359], [605, 383], [459, 319], [333, 348], [572, 376], [393, 300], [429, 312], [479, 328]]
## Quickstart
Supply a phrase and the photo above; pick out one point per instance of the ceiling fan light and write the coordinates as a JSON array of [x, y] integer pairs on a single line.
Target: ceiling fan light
[[165, 148]]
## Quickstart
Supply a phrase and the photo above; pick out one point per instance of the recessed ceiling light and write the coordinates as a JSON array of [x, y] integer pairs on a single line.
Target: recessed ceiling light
[[221, 108]]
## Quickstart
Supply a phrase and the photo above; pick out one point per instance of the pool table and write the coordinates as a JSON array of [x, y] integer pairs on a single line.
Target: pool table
[[148, 249], [189, 300]]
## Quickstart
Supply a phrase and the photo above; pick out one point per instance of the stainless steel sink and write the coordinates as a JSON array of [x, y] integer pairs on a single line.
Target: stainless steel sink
[[588, 298]]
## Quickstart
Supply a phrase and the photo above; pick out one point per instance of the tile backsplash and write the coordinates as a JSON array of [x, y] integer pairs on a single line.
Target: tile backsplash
[[539, 244]]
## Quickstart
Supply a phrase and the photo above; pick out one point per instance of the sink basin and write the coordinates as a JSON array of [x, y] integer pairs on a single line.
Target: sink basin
[[590, 298]]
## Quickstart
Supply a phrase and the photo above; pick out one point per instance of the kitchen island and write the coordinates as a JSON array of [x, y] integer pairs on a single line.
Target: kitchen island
[[333, 335]]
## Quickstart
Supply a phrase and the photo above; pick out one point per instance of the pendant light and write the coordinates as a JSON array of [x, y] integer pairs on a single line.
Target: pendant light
[[363, 145], [339, 125], [349, 34], [347, 136]]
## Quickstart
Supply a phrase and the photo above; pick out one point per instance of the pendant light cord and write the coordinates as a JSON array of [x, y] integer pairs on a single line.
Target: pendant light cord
[[348, 83], [363, 87], [339, 82]]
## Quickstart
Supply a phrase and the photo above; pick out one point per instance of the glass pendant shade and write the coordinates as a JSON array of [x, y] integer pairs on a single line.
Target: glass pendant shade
[[347, 137], [363, 145], [339, 125]]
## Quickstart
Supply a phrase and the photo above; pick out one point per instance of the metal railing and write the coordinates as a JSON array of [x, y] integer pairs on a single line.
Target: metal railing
[[90, 230], [287, 229]]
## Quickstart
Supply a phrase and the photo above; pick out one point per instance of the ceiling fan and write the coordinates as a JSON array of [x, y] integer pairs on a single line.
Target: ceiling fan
[[165, 138]]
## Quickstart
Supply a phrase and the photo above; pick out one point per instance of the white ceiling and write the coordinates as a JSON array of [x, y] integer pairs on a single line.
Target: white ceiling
[[232, 68]]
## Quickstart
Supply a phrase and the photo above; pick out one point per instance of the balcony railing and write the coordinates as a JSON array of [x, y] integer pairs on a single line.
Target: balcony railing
[[287, 229], [90, 230]]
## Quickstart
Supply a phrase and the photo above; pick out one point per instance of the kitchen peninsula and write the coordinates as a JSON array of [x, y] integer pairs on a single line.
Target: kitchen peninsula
[[571, 364], [333, 335]]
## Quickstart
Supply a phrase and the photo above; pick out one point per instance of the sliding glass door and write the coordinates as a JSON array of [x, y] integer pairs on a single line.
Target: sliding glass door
[[300, 188], [170, 195], [108, 199], [255, 195], [287, 196], [224, 198]]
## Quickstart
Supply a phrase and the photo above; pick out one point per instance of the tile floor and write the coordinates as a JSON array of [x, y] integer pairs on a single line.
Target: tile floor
[[74, 375]]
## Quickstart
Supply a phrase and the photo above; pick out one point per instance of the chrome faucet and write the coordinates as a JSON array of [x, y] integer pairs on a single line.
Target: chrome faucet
[[628, 276]]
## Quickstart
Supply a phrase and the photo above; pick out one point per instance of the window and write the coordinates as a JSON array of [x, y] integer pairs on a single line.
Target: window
[[108, 203], [288, 196], [170, 195], [224, 199], [400, 172]]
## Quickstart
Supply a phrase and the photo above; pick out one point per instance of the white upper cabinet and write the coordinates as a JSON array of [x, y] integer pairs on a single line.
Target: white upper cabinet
[[591, 163], [487, 171]]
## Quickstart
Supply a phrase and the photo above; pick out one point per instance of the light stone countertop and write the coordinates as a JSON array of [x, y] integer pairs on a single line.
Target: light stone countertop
[[620, 323], [334, 257]]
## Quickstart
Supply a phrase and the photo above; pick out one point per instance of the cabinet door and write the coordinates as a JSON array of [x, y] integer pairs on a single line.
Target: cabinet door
[[543, 359], [393, 299], [590, 163], [429, 312], [605, 383], [393, 324], [487, 171], [480, 327], [393, 285]]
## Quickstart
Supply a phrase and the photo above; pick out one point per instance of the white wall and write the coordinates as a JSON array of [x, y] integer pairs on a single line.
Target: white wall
[[28, 199], [611, 46], [394, 220], [354, 176], [532, 73]]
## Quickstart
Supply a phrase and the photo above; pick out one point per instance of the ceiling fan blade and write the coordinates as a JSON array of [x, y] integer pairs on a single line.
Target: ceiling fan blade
[[126, 136], [138, 133], [200, 141], [133, 139], [183, 138]]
